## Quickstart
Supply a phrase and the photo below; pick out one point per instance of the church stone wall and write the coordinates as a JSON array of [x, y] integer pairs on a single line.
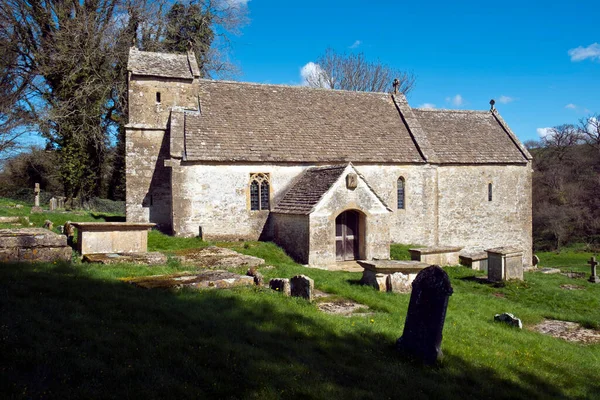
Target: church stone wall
[[291, 231], [220, 199], [145, 111], [148, 183], [375, 217], [467, 218], [415, 224]]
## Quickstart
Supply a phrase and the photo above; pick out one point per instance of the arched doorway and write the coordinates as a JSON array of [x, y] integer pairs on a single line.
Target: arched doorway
[[348, 235]]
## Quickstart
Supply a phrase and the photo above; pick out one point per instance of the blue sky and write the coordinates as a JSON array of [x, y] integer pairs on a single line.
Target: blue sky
[[463, 52]]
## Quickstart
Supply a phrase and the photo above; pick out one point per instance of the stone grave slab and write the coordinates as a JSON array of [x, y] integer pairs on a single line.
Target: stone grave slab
[[203, 280], [436, 255], [390, 275], [477, 261], [112, 237], [33, 244], [214, 256], [149, 258]]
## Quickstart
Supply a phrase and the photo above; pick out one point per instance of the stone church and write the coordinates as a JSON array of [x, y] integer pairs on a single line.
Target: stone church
[[329, 175]]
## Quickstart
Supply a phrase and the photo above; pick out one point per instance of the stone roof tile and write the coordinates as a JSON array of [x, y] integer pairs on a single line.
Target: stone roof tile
[[468, 137], [274, 123], [304, 195]]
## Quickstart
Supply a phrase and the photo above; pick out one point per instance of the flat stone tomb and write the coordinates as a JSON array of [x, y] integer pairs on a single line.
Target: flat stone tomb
[[112, 237], [390, 275], [33, 244], [477, 261], [437, 255], [505, 263], [203, 280]]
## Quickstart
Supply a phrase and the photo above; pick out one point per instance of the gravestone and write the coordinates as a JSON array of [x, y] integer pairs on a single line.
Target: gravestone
[[422, 336], [302, 286], [69, 232], [53, 204], [36, 202], [61, 202], [593, 277], [281, 285]]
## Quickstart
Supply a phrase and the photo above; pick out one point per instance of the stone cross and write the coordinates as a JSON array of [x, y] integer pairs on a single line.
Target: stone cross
[[422, 336], [593, 277], [37, 194]]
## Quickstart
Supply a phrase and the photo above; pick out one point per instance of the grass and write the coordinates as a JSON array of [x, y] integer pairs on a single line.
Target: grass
[[77, 331]]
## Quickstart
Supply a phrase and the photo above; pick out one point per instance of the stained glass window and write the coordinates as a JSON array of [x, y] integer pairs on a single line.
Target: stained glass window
[[259, 192], [400, 193]]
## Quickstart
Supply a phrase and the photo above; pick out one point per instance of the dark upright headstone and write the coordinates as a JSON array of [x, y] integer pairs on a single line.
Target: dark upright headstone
[[422, 336]]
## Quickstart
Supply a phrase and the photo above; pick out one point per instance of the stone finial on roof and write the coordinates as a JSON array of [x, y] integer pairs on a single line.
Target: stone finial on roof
[[492, 102], [396, 84]]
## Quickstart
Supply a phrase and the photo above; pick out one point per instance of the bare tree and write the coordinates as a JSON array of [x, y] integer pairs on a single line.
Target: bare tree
[[589, 130], [353, 71], [560, 139]]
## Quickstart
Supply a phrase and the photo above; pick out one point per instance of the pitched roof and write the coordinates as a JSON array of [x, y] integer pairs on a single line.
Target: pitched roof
[[166, 65], [304, 195], [274, 123], [469, 137]]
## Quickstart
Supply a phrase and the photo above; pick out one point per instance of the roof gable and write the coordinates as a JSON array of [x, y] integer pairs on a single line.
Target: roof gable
[[316, 187]]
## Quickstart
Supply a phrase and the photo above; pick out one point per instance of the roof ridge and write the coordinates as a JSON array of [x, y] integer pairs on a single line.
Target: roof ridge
[[451, 110], [298, 87]]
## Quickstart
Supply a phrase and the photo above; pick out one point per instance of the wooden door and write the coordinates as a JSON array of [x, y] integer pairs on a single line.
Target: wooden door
[[346, 236]]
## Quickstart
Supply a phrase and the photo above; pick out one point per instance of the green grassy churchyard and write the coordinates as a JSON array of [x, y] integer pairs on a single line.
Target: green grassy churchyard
[[78, 331]]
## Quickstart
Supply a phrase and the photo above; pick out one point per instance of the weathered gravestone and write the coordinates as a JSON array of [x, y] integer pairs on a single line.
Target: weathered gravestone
[[302, 286], [593, 277], [53, 204], [281, 285], [422, 336], [36, 205]]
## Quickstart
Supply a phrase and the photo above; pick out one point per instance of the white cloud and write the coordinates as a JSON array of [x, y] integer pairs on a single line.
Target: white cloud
[[543, 132], [505, 99], [313, 72], [571, 106], [427, 105], [456, 101], [355, 44], [582, 53]]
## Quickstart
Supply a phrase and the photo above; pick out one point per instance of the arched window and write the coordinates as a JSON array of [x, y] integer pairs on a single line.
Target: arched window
[[259, 192], [401, 183], [489, 192]]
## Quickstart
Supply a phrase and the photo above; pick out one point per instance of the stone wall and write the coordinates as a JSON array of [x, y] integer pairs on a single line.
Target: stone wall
[[468, 219], [291, 232], [148, 181], [145, 111], [373, 224], [218, 199], [415, 224]]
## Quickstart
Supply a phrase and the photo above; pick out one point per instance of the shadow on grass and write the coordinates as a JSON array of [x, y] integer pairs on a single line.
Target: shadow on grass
[[66, 335], [108, 217], [483, 280]]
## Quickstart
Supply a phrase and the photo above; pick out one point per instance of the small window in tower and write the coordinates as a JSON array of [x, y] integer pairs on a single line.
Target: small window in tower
[[158, 97], [489, 192]]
